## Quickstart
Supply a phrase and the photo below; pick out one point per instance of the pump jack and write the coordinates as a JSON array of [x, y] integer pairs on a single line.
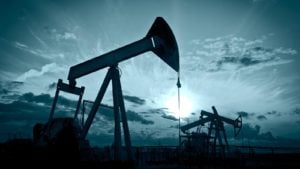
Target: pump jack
[[160, 40], [217, 126]]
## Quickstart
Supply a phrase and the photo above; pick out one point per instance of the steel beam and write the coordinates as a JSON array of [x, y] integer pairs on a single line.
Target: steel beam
[[96, 104], [124, 119], [112, 58]]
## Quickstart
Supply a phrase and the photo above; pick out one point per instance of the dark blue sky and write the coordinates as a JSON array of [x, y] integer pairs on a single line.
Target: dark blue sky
[[239, 55]]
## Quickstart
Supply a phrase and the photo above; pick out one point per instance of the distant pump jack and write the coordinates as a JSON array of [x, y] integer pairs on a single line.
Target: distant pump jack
[[216, 125]]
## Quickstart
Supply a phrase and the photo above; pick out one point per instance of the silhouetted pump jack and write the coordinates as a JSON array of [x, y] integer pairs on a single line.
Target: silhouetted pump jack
[[159, 39], [216, 126]]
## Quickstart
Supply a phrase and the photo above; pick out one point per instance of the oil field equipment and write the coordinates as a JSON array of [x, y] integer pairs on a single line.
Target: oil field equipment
[[206, 143], [160, 40]]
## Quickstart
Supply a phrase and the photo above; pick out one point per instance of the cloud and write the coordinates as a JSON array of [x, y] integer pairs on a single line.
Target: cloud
[[28, 109], [21, 45], [19, 110], [176, 126], [160, 111], [26, 48], [169, 117], [244, 114], [107, 113], [261, 117], [9, 90], [241, 61], [251, 132], [52, 86], [273, 113], [15, 84], [66, 36], [235, 53], [60, 34], [45, 51], [21, 114], [133, 116], [134, 99], [297, 111], [31, 98], [251, 135], [19, 117], [4, 91], [47, 100], [48, 68]]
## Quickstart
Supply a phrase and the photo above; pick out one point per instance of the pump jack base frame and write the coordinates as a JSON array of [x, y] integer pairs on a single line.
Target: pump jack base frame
[[119, 107]]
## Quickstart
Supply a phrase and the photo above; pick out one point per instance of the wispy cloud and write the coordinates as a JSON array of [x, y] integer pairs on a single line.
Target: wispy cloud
[[169, 117], [240, 74], [134, 116], [273, 113], [48, 68], [24, 47], [235, 53], [59, 35], [40, 52], [9, 90], [21, 45], [135, 99], [261, 117], [244, 114], [66, 36]]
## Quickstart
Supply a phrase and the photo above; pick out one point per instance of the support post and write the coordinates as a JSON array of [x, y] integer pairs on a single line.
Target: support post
[[79, 103], [215, 140], [54, 101], [117, 135], [124, 118], [83, 112], [225, 138]]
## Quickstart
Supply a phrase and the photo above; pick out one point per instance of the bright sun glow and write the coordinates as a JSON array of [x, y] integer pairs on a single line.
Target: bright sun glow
[[186, 106]]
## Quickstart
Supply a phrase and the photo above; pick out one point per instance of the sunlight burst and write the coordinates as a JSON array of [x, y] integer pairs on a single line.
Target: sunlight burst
[[186, 106]]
